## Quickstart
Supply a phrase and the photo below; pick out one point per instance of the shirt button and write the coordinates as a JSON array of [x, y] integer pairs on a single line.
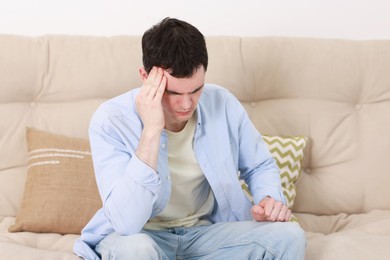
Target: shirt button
[[163, 146], [168, 178]]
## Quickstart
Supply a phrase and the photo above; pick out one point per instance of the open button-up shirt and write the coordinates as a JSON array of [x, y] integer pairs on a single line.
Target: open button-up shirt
[[226, 145]]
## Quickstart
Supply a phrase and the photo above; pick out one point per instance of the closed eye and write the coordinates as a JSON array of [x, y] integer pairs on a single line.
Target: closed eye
[[169, 92]]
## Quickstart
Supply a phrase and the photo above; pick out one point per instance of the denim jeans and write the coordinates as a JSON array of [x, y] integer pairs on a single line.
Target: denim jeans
[[227, 240]]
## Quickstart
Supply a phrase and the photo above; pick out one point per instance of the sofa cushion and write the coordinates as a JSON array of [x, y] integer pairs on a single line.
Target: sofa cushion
[[60, 193], [34, 246], [288, 154], [347, 236]]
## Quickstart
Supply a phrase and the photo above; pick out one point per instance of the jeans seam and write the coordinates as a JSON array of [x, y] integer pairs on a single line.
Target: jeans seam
[[243, 243]]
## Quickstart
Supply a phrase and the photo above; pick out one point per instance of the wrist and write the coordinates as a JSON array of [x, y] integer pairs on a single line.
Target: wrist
[[151, 132], [148, 147]]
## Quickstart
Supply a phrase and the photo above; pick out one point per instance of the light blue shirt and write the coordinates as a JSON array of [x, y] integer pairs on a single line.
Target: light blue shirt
[[225, 143]]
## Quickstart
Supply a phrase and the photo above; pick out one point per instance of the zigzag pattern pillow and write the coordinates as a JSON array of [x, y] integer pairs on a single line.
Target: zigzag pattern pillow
[[288, 154]]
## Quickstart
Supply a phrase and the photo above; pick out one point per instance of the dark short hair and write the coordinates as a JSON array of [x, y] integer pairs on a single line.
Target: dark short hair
[[175, 45]]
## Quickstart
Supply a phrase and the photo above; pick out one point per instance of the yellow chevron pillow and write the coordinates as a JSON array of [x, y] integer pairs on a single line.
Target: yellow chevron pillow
[[288, 154]]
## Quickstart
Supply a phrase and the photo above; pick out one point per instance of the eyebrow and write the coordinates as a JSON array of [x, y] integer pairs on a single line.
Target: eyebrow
[[177, 93]]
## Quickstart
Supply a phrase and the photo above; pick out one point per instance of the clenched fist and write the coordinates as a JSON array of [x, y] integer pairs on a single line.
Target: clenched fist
[[269, 209]]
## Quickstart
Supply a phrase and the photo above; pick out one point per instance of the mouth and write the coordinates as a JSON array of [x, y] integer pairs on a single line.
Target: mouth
[[184, 113]]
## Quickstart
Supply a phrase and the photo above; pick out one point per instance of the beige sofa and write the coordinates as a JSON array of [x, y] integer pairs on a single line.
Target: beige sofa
[[335, 92]]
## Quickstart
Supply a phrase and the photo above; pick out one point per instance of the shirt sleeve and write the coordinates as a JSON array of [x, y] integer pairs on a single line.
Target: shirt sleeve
[[256, 165], [128, 187]]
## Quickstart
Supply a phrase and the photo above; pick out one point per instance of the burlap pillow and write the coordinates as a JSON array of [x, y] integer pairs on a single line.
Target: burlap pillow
[[60, 193]]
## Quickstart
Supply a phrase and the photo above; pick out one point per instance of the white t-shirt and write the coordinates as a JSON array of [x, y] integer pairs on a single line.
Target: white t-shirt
[[191, 197]]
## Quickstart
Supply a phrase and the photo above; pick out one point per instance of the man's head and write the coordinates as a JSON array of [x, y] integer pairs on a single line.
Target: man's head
[[176, 46], [180, 50]]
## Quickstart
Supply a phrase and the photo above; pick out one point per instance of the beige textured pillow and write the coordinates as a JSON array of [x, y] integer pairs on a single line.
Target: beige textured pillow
[[60, 193]]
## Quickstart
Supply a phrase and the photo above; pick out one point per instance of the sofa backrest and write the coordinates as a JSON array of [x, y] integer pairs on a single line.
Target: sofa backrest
[[336, 92]]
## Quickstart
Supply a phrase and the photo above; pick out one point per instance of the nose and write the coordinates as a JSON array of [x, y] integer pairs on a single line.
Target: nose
[[186, 102]]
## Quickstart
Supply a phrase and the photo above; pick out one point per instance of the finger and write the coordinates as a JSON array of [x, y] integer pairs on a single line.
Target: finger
[[152, 73], [148, 81], [161, 88], [268, 207], [258, 213], [275, 211], [158, 78], [282, 214], [166, 73], [258, 210], [288, 215], [155, 83]]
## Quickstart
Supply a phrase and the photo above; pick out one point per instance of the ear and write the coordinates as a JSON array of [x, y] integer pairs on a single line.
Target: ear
[[144, 75]]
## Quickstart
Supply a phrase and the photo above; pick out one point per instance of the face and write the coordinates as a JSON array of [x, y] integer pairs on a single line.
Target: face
[[181, 98]]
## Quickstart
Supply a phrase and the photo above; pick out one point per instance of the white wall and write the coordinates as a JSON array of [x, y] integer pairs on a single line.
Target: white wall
[[352, 19]]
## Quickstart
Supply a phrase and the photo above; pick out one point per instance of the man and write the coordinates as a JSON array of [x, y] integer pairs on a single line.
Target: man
[[166, 159]]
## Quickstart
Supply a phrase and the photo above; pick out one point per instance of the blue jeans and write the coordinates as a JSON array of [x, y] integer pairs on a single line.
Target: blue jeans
[[227, 240]]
